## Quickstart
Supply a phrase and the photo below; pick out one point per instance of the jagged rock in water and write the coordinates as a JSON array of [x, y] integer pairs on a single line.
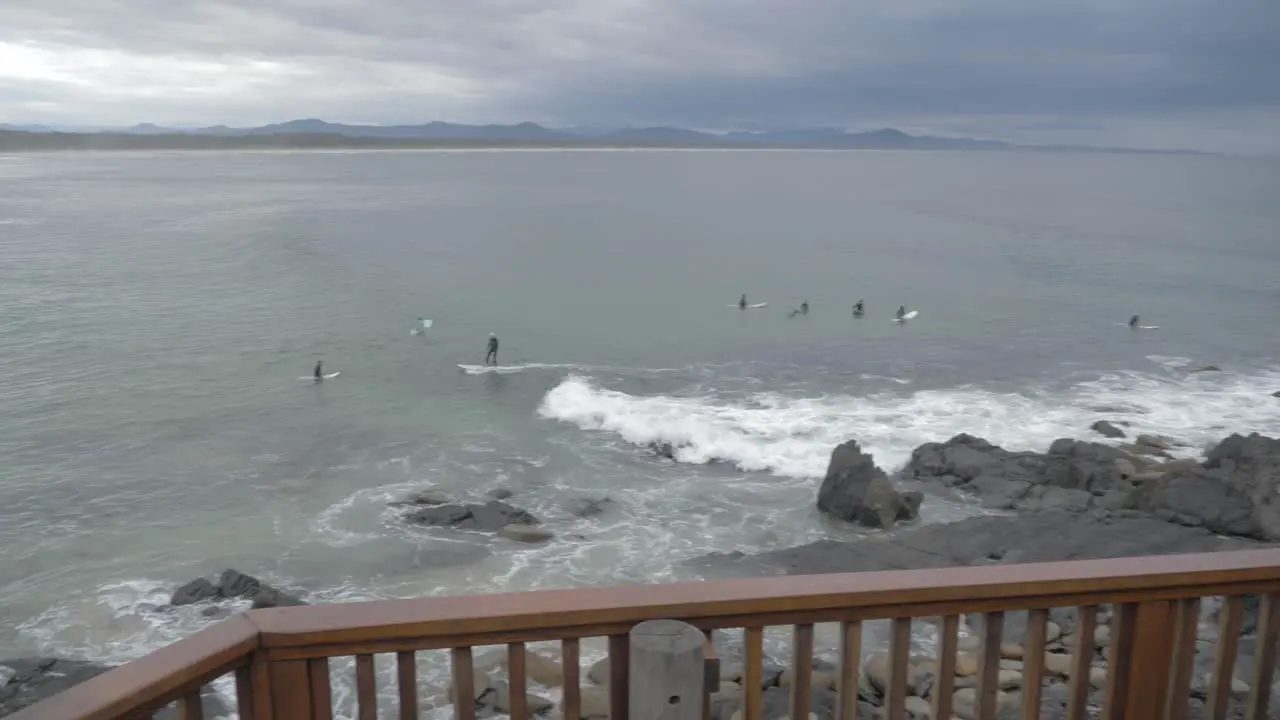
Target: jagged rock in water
[[232, 584], [489, 517], [857, 491]]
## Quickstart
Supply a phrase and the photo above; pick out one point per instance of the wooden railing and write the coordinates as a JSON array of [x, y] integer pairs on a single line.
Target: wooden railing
[[280, 657]]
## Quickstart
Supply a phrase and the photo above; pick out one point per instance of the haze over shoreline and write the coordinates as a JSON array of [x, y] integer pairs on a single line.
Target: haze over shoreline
[[318, 134]]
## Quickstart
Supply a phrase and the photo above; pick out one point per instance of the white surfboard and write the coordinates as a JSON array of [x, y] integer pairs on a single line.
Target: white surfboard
[[908, 316], [752, 306], [1139, 327], [487, 369], [328, 376], [426, 325]]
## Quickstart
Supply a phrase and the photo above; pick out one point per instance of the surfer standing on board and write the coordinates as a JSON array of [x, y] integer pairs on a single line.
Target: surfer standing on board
[[902, 310], [1133, 321], [491, 357], [742, 302], [319, 371]]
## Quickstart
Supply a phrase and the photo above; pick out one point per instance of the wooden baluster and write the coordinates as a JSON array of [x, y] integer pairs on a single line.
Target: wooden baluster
[[518, 697], [1081, 661], [711, 666], [464, 686], [899, 652], [753, 674], [1230, 623], [290, 690], [1264, 663], [191, 706], [989, 664], [407, 684], [1119, 660], [944, 683], [850, 657], [802, 671], [1033, 663], [1182, 659], [1146, 689], [619, 677], [572, 662], [321, 697], [244, 692]]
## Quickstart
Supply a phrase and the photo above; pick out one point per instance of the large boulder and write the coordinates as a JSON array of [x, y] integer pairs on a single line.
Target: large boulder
[[489, 517], [855, 490], [232, 584], [1069, 476], [1234, 492], [1107, 429], [30, 680]]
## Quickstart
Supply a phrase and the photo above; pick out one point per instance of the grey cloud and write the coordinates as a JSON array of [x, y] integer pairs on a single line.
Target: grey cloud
[[705, 63]]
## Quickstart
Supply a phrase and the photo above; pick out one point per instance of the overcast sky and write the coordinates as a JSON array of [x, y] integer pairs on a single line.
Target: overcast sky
[[1173, 73]]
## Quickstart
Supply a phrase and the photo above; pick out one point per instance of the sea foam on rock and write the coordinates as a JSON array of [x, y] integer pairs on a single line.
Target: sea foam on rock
[[232, 584], [855, 490]]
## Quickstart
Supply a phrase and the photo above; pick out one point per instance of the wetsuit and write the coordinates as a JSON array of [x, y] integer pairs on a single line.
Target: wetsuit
[[491, 357], [319, 372], [742, 304]]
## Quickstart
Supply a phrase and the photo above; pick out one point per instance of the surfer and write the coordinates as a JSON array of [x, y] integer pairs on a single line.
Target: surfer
[[857, 309], [491, 357], [742, 302], [319, 374], [804, 308], [1133, 321], [902, 311]]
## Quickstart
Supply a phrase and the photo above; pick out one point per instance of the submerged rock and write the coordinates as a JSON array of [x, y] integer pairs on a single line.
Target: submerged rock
[[526, 533], [232, 584], [855, 490], [1106, 429], [489, 517], [588, 507], [422, 497], [31, 680]]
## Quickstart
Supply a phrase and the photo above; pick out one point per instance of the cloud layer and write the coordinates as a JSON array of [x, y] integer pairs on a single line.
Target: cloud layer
[[1206, 70]]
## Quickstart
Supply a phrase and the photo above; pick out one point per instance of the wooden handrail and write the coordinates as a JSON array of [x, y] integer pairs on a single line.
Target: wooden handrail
[[590, 609], [154, 680], [287, 646]]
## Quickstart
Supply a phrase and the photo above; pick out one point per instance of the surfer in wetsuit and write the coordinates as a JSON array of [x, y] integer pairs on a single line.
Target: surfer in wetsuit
[[491, 357], [742, 302], [804, 308], [902, 311], [319, 371], [1133, 321], [857, 309]]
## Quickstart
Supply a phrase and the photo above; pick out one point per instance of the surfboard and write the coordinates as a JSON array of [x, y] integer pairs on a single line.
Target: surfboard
[[1139, 327], [426, 325], [755, 306], [327, 376], [908, 316], [487, 369]]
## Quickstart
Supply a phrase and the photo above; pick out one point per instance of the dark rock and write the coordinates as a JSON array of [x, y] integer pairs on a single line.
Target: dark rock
[[1022, 480], [1232, 493], [197, 590], [422, 497], [663, 449], [1039, 537], [1276, 394], [588, 507], [855, 490], [1106, 429], [489, 517], [1206, 368], [34, 679], [501, 493], [233, 584]]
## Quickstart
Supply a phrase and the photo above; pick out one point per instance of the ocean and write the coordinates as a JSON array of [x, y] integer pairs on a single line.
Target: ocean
[[161, 312]]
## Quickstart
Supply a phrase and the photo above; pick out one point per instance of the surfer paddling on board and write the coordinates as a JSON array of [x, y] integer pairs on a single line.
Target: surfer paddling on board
[[1133, 321], [742, 302], [491, 357], [319, 374], [857, 309]]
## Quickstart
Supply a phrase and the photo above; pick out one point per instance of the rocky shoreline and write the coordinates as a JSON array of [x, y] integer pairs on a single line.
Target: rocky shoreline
[[1077, 500]]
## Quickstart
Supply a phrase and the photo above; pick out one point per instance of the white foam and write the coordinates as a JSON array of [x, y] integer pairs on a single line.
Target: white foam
[[508, 369], [793, 436]]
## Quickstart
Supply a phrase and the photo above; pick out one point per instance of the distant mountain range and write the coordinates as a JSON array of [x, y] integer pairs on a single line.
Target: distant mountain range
[[312, 133]]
